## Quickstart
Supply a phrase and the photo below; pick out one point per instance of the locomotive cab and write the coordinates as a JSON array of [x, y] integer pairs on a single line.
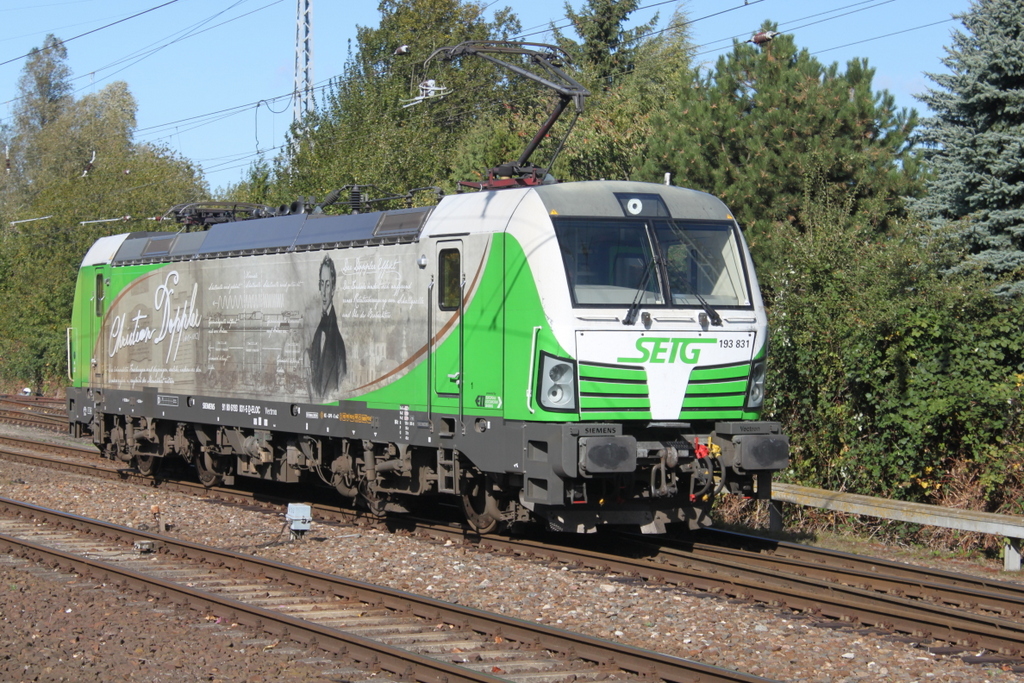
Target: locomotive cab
[[655, 359]]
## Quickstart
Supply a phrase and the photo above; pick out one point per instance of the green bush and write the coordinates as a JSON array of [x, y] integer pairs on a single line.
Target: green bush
[[894, 377]]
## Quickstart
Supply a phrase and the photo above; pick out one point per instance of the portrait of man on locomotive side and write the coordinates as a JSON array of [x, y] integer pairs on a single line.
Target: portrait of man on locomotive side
[[327, 348]]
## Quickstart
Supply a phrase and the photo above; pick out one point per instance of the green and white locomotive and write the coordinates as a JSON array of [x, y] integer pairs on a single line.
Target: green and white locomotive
[[578, 354]]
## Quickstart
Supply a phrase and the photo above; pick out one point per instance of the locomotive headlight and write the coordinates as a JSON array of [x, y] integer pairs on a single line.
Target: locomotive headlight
[[755, 390], [557, 373], [557, 390]]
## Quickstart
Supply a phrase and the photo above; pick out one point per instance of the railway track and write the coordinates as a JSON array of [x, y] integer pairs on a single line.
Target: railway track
[[34, 411], [980, 620], [948, 613], [410, 636], [43, 403], [938, 587]]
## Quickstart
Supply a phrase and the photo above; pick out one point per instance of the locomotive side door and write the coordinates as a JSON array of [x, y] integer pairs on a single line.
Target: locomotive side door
[[447, 331], [95, 356]]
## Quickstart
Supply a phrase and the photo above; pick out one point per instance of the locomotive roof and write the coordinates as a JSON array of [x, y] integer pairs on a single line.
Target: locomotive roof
[[603, 198], [476, 212], [298, 232]]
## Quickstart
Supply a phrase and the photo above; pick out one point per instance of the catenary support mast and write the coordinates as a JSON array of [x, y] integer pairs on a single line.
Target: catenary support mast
[[302, 102]]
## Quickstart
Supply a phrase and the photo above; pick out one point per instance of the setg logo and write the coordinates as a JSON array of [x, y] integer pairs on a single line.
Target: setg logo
[[667, 350]]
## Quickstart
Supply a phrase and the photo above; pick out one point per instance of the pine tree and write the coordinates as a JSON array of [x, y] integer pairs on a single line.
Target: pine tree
[[767, 120], [976, 139]]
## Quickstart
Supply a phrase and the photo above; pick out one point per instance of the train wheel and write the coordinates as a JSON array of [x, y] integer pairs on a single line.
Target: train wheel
[[206, 470], [479, 506], [147, 465]]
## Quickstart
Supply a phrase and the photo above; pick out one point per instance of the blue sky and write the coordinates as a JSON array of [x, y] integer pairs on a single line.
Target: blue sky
[[212, 77]]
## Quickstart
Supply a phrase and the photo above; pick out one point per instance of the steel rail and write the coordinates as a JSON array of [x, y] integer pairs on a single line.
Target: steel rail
[[400, 662], [897, 578], [30, 419], [735, 578], [36, 454], [604, 654], [20, 443], [744, 575], [819, 597], [55, 406]]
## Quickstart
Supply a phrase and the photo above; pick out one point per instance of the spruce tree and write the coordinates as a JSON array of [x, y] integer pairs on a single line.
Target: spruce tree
[[975, 141]]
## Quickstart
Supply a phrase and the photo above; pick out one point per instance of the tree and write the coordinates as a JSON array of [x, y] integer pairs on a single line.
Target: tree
[[975, 140], [72, 165], [44, 86], [256, 188], [610, 139], [609, 51], [360, 132], [753, 130], [870, 372], [44, 93]]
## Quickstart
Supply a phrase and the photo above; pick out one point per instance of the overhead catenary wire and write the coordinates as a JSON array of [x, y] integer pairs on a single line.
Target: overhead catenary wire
[[535, 30], [256, 104], [887, 35], [232, 162], [786, 24], [95, 30], [269, 103], [237, 109], [789, 29], [190, 32], [323, 85]]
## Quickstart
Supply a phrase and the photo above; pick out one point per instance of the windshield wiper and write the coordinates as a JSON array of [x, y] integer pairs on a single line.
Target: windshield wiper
[[713, 316], [641, 289]]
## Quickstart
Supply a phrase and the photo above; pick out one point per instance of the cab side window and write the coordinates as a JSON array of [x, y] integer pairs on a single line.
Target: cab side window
[[99, 294], [450, 277]]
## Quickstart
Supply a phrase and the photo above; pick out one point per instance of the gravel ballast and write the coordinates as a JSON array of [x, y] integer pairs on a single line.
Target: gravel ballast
[[56, 628]]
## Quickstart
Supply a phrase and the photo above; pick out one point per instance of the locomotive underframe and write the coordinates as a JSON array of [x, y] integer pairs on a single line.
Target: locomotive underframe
[[572, 476]]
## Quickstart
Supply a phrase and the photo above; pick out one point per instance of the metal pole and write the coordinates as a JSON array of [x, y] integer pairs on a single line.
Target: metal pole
[[775, 516], [302, 100]]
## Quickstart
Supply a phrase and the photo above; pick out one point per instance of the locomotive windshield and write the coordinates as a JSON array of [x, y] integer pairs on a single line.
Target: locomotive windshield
[[656, 261]]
